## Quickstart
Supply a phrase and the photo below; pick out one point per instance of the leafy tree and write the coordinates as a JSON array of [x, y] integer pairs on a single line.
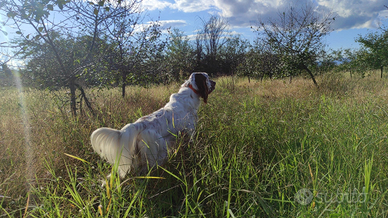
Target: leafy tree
[[132, 44], [180, 55], [151, 53], [74, 41], [7, 54], [5, 75], [232, 54], [297, 37], [6, 70], [376, 46], [352, 61], [36, 15], [42, 67], [260, 61], [325, 65]]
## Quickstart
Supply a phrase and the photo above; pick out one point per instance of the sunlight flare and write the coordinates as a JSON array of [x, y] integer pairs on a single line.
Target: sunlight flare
[[29, 153]]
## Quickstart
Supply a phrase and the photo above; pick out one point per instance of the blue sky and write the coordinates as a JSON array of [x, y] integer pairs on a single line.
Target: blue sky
[[353, 17]]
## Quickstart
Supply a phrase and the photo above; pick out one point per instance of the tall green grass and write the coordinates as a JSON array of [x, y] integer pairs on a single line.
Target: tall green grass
[[262, 149]]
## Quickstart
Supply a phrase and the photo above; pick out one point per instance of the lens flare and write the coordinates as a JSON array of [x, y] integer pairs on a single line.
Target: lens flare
[[29, 155]]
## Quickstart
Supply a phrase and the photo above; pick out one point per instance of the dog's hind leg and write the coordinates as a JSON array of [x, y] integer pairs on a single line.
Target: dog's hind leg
[[153, 150]]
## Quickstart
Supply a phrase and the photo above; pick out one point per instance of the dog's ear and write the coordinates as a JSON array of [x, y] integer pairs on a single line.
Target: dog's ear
[[200, 81]]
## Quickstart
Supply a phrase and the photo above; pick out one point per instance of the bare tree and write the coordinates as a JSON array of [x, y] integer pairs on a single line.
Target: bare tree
[[297, 37], [213, 35], [198, 52], [210, 39]]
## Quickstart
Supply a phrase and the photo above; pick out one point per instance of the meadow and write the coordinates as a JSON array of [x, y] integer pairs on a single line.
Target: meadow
[[266, 148]]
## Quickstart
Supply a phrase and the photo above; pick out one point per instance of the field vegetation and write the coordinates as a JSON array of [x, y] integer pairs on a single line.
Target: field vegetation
[[266, 148], [293, 129]]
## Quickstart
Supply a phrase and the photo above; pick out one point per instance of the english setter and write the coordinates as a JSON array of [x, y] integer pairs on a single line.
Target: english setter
[[146, 142]]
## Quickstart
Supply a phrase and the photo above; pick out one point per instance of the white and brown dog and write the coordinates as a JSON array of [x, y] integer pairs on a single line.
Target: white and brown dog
[[145, 143]]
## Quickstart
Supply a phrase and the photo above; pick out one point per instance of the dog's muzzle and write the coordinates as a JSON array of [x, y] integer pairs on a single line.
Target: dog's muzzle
[[212, 86]]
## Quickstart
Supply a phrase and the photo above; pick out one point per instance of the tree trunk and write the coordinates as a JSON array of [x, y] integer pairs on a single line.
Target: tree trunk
[[73, 105], [311, 75], [83, 95], [124, 84], [381, 71]]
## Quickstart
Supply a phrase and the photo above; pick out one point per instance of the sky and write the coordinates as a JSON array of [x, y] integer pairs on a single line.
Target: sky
[[352, 17]]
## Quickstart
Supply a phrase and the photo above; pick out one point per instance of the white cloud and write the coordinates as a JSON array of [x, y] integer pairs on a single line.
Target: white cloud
[[355, 13], [180, 5], [172, 23], [242, 13], [192, 6], [152, 5], [349, 13], [165, 24]]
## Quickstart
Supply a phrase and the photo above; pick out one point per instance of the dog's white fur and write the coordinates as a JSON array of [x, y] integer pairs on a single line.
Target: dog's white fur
[[145, 143]]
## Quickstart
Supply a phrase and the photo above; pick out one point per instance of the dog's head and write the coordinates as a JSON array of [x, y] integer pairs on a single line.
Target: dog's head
[[201, 84]]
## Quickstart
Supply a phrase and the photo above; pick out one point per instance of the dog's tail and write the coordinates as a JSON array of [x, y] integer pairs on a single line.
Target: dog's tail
[[114, 145]]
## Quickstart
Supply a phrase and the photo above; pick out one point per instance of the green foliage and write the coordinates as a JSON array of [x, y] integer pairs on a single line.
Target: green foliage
[[6, 76], [134, 54], [296, 37], [180, 55], [260, 61], [233, 53], [352, 61], [43, 68], [372, 55], [376, 49]]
